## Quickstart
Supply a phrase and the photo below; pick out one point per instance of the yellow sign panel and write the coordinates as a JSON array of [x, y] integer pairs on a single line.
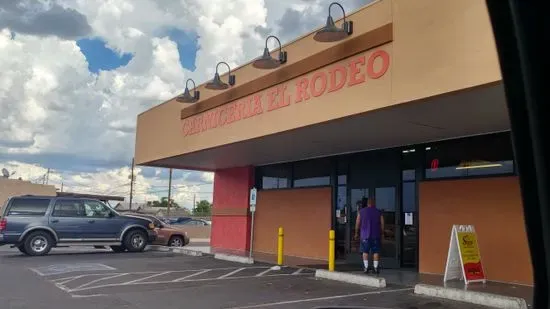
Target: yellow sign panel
[[471, 258]]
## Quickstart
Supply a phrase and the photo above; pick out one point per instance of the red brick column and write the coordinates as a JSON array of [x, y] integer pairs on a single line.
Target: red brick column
[[230, 216]]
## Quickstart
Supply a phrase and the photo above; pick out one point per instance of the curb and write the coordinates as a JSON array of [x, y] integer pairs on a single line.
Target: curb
[[234, 258], [176, 250], [472, 297], [376, 282]]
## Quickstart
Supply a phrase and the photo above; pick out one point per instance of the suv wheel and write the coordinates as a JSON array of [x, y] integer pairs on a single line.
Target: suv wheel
[[118, 248], [38, 243], [135, 241], [176, 241], [22, 248]]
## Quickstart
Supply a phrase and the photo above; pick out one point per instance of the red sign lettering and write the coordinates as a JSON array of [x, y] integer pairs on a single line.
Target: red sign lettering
[[350, 73]]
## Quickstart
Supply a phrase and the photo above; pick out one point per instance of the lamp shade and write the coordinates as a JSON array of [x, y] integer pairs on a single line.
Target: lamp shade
[[216, 83], [186, 97], [330, 32], [266, 61]]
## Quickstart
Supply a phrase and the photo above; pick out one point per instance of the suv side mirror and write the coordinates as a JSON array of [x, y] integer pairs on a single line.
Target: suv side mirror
[[111, 214]]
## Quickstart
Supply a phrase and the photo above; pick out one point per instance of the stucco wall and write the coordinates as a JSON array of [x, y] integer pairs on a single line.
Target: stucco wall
[[230, 219], [494, 207], [304, 214], [14, 187], [434, 47]]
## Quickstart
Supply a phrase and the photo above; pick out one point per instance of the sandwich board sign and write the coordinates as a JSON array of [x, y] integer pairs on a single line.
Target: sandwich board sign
[[464, 258]]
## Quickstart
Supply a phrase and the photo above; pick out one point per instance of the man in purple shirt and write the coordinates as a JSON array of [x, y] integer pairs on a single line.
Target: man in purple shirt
[[369, 226]]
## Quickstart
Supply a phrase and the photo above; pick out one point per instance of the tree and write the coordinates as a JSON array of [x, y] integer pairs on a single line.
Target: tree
[[202, 208], [163, 203]]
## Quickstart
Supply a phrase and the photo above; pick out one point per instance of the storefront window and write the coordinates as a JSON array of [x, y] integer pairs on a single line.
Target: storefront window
[[408, 175], [275, 176], [469, 157], [342, 197], [342, 179], [312, 173]]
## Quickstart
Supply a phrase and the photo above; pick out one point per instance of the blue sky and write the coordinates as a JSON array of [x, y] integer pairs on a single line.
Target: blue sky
[[101, 57]]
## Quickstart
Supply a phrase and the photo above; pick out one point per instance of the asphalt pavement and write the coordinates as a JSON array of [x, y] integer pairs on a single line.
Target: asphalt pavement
[[90, 278]]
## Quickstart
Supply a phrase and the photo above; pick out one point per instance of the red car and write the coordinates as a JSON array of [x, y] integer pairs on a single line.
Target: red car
[[168, 235]]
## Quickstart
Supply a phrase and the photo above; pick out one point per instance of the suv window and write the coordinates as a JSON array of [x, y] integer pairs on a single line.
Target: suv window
[[28, 207], [96, 209], [68, 208]]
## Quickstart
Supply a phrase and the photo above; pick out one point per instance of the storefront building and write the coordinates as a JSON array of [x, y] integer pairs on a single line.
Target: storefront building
[[408, 110]]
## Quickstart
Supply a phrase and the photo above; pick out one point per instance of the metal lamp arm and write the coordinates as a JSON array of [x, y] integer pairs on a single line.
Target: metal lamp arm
[[228, 67], [278, 41], [190, 80], [341, 7]]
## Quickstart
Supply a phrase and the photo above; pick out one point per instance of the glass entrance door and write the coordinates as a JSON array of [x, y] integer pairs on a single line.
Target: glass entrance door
[[376, 176], [385, 199]]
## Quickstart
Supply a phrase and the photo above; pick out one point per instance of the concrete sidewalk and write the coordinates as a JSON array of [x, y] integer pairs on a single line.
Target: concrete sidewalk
[[491, 294]]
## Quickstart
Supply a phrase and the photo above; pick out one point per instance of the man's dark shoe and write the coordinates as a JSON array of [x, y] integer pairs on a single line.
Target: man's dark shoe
[[367, 270], [377, 271]]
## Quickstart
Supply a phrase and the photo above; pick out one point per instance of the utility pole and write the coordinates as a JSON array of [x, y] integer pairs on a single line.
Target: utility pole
[[62, 186], [169, 192], [194, 202], [131, 185], [48, 176]]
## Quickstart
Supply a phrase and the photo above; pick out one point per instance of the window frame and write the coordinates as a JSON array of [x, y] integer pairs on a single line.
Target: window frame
[[289, 167], [109, 209], [53, 214], [309, 165], [9, 210], [425, 157]]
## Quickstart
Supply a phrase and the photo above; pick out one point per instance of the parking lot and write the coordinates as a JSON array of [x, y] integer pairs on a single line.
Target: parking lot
[[90, 278]]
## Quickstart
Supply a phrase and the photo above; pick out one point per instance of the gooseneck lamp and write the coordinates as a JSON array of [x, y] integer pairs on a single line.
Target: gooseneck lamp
[[186, 97], [267, 62], [331, 33], [216, 83]]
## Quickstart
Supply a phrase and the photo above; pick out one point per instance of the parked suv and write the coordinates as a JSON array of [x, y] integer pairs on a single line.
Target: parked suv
[[35, 224]]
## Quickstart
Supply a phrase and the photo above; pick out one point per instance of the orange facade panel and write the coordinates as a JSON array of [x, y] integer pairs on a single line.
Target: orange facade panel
[[494, 207], [304, 214]]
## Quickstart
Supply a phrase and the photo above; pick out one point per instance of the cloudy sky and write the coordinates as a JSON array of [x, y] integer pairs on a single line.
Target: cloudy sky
[[74, 75]]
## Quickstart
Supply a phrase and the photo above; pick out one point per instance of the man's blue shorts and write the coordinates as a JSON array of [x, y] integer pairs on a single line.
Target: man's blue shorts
[[370, 245]]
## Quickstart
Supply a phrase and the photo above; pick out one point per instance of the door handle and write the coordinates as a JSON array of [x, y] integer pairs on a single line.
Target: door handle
[[55, 220], [91, 221]]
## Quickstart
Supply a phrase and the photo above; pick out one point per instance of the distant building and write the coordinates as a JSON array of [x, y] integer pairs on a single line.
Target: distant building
[[16, 187]]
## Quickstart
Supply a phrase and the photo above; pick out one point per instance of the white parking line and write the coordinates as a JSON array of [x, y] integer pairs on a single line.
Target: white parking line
[[87, 296], [230, 273], [148, 277], [150, 272], [67, 280], [100, 279], [192, 275], [322, 298], [180, 281], [263, 272], [298, 271]]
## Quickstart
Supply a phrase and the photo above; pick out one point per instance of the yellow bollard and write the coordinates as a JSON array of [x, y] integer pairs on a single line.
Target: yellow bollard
[[331, 250], [280, 247]]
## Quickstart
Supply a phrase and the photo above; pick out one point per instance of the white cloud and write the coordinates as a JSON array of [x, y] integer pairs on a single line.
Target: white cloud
[[51, 104], [117, 182]]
